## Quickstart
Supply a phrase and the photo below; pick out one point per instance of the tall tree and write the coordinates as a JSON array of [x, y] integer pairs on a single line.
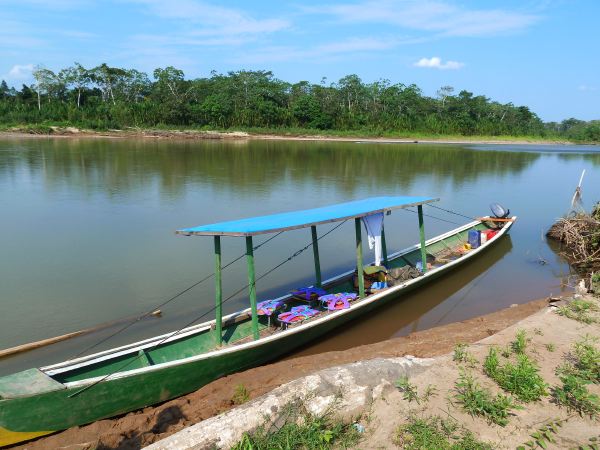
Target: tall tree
[[77, 77], [45, 80]]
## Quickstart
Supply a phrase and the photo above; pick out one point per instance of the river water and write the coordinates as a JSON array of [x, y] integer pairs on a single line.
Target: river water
[[87, 229]]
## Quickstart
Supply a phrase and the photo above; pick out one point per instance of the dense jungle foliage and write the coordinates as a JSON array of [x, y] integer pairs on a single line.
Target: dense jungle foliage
[[109, 97]]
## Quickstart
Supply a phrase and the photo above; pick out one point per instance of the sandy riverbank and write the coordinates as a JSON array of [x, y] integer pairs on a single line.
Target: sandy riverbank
[[546, 410], [71, 133], [144, 427]]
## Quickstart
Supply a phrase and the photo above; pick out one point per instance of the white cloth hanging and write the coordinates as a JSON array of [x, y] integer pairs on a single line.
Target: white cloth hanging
[[374, 225]]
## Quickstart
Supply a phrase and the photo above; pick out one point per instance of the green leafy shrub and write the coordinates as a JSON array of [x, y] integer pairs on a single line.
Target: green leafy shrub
[[520, 343], [575, 396], [521, 379], [478, 401]]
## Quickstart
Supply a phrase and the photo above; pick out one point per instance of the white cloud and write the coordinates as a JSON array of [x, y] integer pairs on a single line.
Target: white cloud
[[20, 71], [214, 20], [436, 63], [436, 16], [586, 88]]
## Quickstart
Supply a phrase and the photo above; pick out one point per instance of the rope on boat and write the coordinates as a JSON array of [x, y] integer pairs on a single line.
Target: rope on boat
[[451, 212], [175, 333], [433, 217], [166, 302]]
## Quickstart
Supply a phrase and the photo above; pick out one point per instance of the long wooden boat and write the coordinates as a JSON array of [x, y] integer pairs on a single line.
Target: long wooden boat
[[43, 400]]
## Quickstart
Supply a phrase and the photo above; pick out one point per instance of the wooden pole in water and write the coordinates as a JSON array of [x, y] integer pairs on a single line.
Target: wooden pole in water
[[252, 286], [218, 292], [360, 271], [315, 246], [422, 236], [384, 246]]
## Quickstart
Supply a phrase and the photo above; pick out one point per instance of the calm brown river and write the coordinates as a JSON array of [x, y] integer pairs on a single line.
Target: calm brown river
[[87, 229]]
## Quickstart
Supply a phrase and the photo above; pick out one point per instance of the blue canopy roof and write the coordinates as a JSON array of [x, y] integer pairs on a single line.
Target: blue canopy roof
[[306, 218]]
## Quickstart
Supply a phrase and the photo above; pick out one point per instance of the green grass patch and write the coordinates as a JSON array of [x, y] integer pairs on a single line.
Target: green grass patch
[[522, 379], [297, 428], [479, 401], [579, 310], [550, 347], [436, 433], [240, 395]]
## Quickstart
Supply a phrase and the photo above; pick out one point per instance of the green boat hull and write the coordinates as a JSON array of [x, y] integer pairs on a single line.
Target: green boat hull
[[58, 407]]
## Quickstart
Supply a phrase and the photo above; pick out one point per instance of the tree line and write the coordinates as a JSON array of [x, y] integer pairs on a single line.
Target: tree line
[[106, 97]]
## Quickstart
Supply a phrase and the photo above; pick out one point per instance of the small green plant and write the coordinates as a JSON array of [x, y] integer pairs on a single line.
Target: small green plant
[[491, 362], [462, 355], [298, 428], [409, 390], [538, 332], [478, 401], [542, 436], [240, 395], [436, 433], [521, 379], [550, 347], [520, 343], [579, 310], [460, 351], [430, 391], [574, 395], [587, 359]]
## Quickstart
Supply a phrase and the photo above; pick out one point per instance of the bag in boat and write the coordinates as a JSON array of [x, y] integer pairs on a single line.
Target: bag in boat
[[372, 274], [401, 274]]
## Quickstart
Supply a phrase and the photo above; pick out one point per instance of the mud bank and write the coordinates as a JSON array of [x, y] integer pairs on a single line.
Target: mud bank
[[75, 133]]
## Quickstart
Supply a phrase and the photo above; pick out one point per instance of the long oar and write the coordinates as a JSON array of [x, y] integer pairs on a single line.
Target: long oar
[[42, 343], [53, 340]]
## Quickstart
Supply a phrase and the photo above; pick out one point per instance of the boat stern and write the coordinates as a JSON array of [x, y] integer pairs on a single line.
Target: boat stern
[[29, 383]]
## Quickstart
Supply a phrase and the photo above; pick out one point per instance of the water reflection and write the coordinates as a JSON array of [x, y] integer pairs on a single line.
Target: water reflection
[[118, 166]]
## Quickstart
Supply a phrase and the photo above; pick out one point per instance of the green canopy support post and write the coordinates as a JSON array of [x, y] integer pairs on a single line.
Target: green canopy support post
[[252, 286], [218, 292], [422, 236], [360, 271], [384, 246], [315, 246]]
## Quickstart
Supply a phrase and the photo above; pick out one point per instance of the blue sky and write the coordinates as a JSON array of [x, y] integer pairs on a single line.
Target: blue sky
[[543, 54]]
